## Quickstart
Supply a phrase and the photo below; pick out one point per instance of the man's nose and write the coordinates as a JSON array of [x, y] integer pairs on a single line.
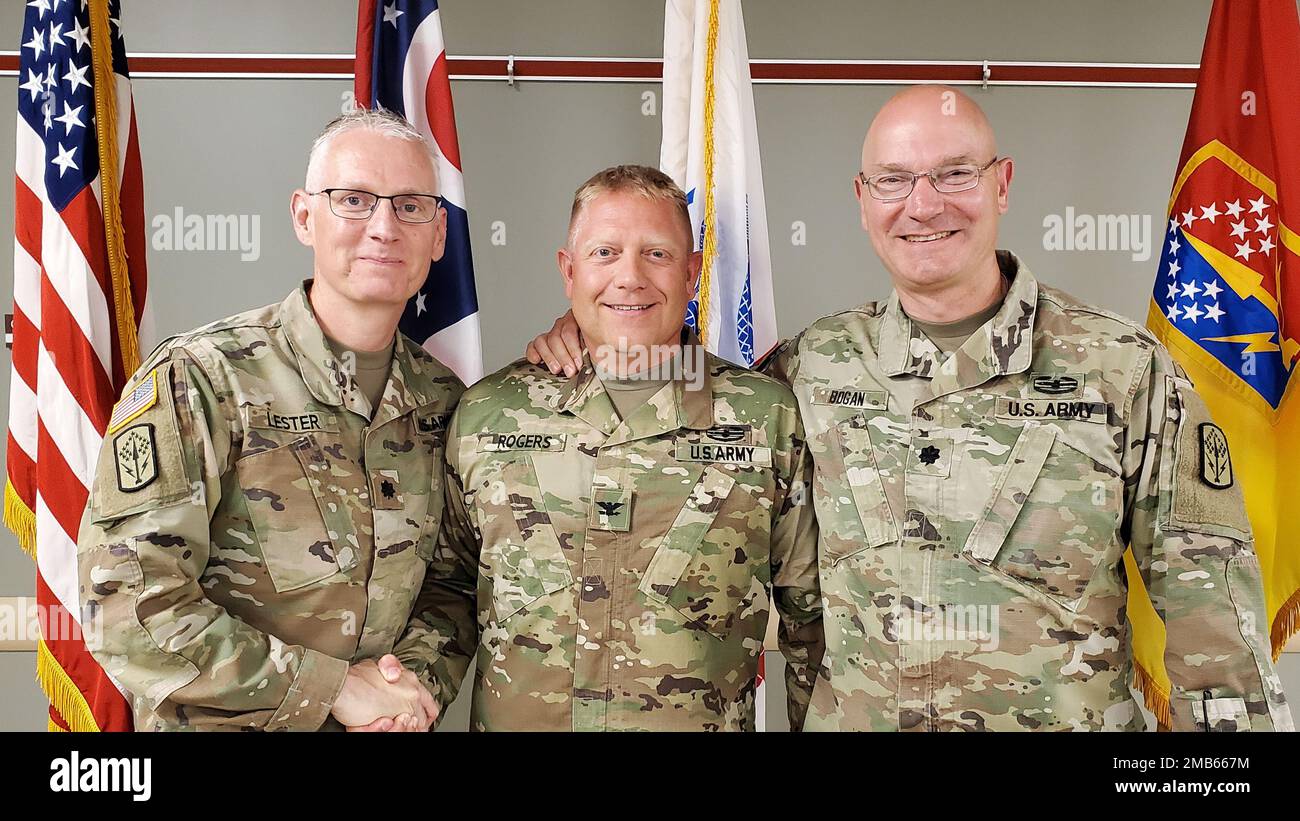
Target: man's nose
[[383, 222], [628, 273], [924, 202]]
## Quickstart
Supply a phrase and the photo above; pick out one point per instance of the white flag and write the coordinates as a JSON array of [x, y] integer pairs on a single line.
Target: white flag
[[710, 149]]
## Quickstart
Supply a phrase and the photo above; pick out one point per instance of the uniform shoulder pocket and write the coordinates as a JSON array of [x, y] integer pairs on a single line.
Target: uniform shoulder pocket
[[141, 462], [1205, 496]]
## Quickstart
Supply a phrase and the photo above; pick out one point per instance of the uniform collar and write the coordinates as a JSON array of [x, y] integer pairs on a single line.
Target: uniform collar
[[1000, 347], [320, 370], [331, 384], [685, 402]]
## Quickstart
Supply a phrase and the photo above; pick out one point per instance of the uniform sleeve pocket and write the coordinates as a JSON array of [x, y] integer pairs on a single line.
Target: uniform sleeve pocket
[[285, 505], [1010, 493], [683, 576], [852, 485], [521, 550]]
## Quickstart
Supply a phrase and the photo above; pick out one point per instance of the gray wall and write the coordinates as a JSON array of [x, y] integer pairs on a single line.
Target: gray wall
[[239, 146]]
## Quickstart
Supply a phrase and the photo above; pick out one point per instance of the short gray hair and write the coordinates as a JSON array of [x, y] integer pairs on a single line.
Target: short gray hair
[[381, 121]]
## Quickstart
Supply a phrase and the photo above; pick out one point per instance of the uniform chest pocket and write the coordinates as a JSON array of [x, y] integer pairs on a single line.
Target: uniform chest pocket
[[690, 574], [522, 558], [849, 481], [1052, 516], [301, 525]]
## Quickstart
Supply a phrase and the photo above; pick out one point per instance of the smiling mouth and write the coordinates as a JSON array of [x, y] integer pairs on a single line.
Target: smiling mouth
[[629, 309], [938, 235]]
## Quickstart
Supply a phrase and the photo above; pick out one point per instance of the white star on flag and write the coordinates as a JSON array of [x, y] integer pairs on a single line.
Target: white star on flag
[[64, 160], [70, 117], [41, 7], [48, 110], [391, 13], [1213, 312], [1173, 312], [1239, 229], [1173, 291], [1234, 208], [1188, 218], [77, 76], [1265, 245], [1190, 290], [1173, 226], [1258, 206], [1212, 289], [1262, 226], [1244, 251], [33, 84], [1193, 313], [37, 43], [419, 304], [1209, 213], [56, 36], [1174, 245], [79, 35], [1174, 268]]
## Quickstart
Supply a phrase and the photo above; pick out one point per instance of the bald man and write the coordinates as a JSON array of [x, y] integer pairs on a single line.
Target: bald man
[[985, 448]]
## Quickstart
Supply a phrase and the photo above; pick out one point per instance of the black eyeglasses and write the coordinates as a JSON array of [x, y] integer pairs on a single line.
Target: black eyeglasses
[[355, 204], [949, 179]]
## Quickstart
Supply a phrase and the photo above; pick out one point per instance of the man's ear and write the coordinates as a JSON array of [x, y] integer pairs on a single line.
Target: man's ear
[[300, 213], [860, 193], [694, 265], [439, 235], [565, 263], [1006, 167]]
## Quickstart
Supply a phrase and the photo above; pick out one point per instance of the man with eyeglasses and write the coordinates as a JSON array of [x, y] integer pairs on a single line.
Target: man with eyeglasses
[[985, 448], [270, 487]]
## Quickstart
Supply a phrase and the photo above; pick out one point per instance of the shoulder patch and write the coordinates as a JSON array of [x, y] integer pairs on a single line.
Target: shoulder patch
[[141, 463], [135, 456], [141, 398], [1216, 462]]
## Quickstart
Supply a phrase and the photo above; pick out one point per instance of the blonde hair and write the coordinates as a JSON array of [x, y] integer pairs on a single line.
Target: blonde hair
[[648, 182]]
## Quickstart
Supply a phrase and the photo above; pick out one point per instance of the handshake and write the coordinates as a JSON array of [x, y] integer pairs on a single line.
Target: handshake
[[384, 697]]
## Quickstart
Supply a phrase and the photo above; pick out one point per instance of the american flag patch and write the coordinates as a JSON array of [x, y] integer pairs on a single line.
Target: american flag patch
[[139, 400]]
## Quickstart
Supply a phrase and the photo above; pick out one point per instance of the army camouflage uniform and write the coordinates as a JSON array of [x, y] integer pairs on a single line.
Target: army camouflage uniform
[[974, 512], [625, 567], [251, 532]]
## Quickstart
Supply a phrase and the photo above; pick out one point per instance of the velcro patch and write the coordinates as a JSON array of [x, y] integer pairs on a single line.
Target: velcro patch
[[728, 454], [1061, 411], [433, 422], [296, 421], [850, 398], [498, 442], [141, 398], [730, 434], [135, 457], [1056, 384], [611, 509], [1216, 462]]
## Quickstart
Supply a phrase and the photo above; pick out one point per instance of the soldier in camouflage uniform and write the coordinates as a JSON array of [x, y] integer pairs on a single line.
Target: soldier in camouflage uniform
[[622, 545], [264, 507], [978, 477]]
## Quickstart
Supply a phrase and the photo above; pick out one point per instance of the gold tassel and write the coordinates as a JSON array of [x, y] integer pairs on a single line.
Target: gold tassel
[[1285, 624], [710, 248], [20, 519], [63, 694], [101, 48], [55, 728], [1157, 700]]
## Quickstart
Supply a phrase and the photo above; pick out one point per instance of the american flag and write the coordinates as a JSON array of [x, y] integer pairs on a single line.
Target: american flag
[[78, 308], [402, 66]]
